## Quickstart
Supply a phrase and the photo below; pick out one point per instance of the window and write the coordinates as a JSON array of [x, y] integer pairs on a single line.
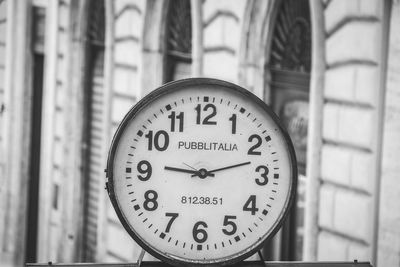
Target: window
[[178, 44]]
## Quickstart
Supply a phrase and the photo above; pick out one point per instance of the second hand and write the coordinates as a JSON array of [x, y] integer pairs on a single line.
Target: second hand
[[190, 166]]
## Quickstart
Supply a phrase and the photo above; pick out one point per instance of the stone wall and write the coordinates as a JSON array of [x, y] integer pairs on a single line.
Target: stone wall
[[128, 19], [351, 136], [222, 22]]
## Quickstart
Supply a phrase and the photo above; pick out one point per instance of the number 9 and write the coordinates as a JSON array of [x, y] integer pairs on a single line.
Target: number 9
[[147, 170]]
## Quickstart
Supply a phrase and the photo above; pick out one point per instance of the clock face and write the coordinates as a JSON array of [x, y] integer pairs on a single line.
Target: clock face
[[201, 172]]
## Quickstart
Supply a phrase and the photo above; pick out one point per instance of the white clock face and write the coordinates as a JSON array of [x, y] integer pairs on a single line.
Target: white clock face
[[201, 173]]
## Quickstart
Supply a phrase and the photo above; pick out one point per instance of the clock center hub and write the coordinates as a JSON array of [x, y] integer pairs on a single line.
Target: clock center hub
[[203, 173]]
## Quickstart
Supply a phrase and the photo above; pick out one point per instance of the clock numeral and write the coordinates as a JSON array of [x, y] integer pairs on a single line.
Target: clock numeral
[[228, 221], [150, 202], [233, 120], [157, 143], [263, 175], [256, 145], [250, 205], [147, 170], [173, 217], [200, 235], [172, 117], [206, 120]]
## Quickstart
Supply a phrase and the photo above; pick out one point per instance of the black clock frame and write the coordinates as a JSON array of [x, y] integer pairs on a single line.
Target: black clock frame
[[147, 100]]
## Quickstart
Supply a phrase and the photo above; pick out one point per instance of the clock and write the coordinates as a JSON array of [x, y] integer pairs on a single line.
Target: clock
[[201, 172]]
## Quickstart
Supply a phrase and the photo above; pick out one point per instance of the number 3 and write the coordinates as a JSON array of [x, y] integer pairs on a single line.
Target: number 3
[[263, 175]]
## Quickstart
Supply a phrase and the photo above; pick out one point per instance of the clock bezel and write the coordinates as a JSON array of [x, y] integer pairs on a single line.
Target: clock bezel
[[147, 100]]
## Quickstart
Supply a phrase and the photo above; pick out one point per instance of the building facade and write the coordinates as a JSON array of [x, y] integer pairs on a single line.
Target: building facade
[[71, 69]]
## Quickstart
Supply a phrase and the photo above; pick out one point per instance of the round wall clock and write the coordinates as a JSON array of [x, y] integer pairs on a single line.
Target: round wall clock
[[201, 172]]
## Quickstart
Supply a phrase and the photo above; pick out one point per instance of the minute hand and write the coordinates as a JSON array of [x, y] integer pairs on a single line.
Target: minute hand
[[224, 168], [232, 166]]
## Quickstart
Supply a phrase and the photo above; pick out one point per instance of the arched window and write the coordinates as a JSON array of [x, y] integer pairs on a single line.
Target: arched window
[[178, 46], [93, 128], [289, 69]]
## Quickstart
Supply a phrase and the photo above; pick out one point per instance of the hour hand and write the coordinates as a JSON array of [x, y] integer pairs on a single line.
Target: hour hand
[[168, 168], [202, 173]]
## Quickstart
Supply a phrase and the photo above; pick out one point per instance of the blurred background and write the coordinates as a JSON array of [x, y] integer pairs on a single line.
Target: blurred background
[[71, 69]]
